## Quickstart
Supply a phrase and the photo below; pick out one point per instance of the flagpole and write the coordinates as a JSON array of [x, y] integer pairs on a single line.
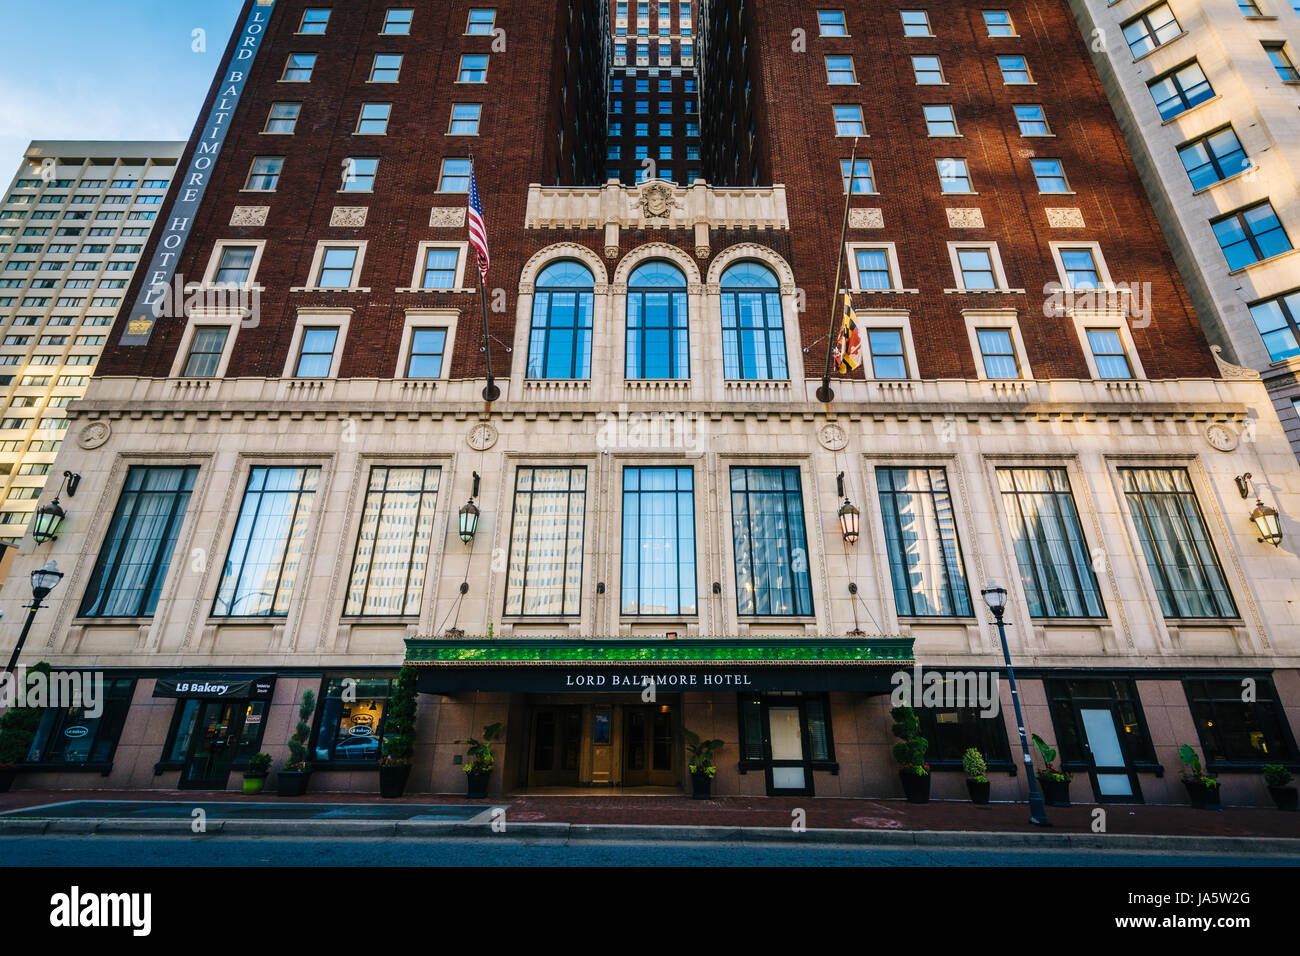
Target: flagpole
[[825, 394], [490, 391]]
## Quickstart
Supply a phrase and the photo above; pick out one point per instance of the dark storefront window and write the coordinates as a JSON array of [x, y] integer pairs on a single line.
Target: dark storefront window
[[1121, 694], [816, 725], [185, 722], [954, 730], [1238, 731], [351, 726], [70, 735]]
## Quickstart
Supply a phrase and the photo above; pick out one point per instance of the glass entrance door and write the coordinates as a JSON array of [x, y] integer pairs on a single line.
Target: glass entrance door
[[788, 771], [1112, 778], [648, 747], [556, 745], [213, 745]]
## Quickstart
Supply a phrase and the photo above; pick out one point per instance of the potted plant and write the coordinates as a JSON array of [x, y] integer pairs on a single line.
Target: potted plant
[[399, 736], [478, 765], [259, 765], [291, 781], [977, 779], [1276, 777], [1055, 782], [910, 754], [17, 731], [701, 766], [1201, 787]]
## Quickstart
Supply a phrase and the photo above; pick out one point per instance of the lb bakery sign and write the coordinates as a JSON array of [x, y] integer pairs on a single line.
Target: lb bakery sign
[[185, 204]]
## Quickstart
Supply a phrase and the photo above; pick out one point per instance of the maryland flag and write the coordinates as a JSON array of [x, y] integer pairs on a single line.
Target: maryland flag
[[848, 349]]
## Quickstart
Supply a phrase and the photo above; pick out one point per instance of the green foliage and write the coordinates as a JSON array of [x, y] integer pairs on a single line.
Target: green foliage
[[18, 726], [479, 752], [258, 765], [399, 722], [1049, 771], [972, 761], [701, 753], [298, 742], [910, 754], [1193, 772], [1276, 775]]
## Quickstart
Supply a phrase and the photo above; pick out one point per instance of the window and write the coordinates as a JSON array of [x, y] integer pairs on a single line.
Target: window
[[658, 541], [998, 23], [283, 117], [266, 549], [297, 69], [1277, 55], [397, 22], [235, 266], [873, 269], [1278, 321], [643, 86], [1055, 563], [205, 351], [657, 323], [953, 176], [1050, 175], [137, 551], [925, 560], [770, 546], [888, 359], [1108, 353], [480, 22], [1213, 157], [862, 181], [74, 735], [559, 344], [473, 68], [314, 21], [916, 23], [666, 152], [544, 575], [839, 71], [336, 267], [1180, 90], [1250, 235], [848, 121], [952, 731], [1014, 69], [359, 174], [928, 70], [1069, 700], [427, 349], [940, 120], [643, 107], [373, 120], [1184, 566], [316, 354], [392, 552], [440, 266], [465, 118], [386, 68], [264, 173], [1151, 29], [1080, 268], [753, 330], [1237, 731], [352, 720], [998, 352], [455, 176], [830, 23]]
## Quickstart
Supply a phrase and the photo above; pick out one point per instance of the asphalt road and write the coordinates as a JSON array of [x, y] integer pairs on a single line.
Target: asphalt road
[[504, 851]]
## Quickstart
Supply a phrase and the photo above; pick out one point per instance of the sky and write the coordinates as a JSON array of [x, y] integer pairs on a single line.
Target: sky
[[105, 69]]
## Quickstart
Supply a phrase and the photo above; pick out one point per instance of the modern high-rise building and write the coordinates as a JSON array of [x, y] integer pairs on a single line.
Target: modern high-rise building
[[73, 223], [1208, 96], [663, 523]]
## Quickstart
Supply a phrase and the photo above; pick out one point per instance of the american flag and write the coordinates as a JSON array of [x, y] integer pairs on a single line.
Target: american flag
[[477, 230]]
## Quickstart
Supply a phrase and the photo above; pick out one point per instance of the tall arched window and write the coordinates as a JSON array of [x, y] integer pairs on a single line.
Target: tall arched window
[[753, 330], [657, 336], [559, 344]]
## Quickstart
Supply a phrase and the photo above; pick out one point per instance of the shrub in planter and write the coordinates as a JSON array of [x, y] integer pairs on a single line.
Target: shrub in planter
[[480, 759], [255, 774], [1054, 781], [977, 780], [701, 766], [913, 771], [291, 781], [17, 731], [399, 736], [1276, 778], [1202, 789]]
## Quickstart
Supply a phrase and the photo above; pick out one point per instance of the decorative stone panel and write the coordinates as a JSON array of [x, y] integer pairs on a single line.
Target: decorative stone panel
[[866, 219], [1065, 218], [349, 215], [965, 218], [249, 215], [446, 217]]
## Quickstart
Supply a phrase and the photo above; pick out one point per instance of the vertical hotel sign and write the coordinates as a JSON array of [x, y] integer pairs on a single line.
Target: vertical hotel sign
[[197, 176]]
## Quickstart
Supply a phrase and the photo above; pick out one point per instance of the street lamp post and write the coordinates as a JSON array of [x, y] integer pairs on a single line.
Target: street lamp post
[[996, 598], [44, 580]]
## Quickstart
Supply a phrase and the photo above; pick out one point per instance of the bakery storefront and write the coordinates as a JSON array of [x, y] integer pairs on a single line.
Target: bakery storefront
[[591, 712], [217, 725]]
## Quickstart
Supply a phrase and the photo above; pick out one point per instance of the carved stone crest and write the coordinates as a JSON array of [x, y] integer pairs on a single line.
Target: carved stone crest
[[866, 219], [349, 215], [249, 215], [446, 217], [657, 200], [965, 218], [1066, 217], [94, 435]]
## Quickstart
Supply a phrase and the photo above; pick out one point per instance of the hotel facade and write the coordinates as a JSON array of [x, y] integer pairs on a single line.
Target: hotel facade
[[275, 495]]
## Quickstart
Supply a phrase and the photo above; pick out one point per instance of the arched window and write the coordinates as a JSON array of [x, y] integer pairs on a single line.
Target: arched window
[[657, 337], [559, 343], [753, 330]]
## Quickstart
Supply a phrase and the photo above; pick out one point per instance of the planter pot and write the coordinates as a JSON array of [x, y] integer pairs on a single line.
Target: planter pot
[[291, 783], [1286, 798], [1056, 793], [701, 786], [392, 780], [477, 784], [916, 786], [7, 775], [1202, 797], [253, 784], [979, 792]]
